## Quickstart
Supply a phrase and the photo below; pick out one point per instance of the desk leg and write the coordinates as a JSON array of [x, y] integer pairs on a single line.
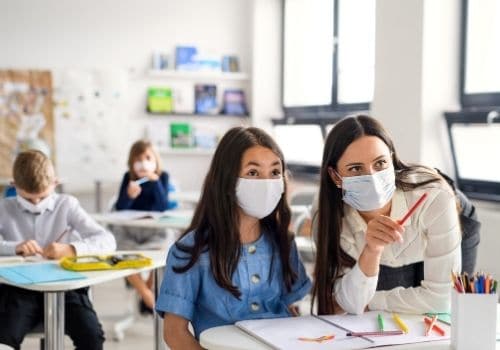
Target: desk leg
[[158, 274], [54, 320]]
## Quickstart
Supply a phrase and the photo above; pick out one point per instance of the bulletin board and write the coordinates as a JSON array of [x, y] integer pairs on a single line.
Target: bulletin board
[[26, 115]]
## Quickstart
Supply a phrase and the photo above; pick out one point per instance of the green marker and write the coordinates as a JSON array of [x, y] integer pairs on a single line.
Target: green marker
[[380, 323]]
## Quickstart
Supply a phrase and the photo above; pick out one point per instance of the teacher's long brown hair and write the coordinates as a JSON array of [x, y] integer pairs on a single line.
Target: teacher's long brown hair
[[331, 259]]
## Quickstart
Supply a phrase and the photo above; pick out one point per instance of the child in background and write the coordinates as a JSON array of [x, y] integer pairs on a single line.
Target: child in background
[[40, 221], [144, 187], [237, 259]]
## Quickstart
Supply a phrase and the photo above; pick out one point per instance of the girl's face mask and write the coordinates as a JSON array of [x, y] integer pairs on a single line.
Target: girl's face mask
[[258, 198]]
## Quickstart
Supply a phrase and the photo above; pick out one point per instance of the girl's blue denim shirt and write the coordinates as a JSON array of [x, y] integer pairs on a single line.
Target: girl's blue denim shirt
[[195, 296]]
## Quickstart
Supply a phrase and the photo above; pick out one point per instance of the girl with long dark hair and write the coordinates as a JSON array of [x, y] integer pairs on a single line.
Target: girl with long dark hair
[[365, 258], [237, 259]]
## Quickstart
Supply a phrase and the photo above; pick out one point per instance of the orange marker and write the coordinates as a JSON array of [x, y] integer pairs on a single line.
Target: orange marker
[[318, 339], [434, 326]]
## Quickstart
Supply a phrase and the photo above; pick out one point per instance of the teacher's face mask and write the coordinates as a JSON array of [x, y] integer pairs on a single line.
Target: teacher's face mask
[[258, 198], [369, 192]]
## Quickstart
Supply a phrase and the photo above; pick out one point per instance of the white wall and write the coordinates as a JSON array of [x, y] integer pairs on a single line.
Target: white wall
[[120, 35]]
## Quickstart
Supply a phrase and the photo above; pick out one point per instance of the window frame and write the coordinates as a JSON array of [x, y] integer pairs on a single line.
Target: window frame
[[324, 111], [468, 100]]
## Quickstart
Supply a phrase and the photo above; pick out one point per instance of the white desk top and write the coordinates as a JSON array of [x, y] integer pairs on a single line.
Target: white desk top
[[93, 277], [177, 219], [233, 338]]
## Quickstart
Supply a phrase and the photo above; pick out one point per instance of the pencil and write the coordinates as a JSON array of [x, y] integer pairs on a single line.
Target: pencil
[[430, 325], [436, 328], [142, 180], [62, 235], [400, 323], [374, 334], [412, 209]]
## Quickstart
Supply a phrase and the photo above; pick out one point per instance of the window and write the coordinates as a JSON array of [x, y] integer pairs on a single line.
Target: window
[[475, 138], [480, 53], [292, 140], [328, 56]]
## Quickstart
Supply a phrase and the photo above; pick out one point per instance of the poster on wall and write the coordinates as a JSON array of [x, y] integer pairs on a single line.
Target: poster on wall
[[26, 115]]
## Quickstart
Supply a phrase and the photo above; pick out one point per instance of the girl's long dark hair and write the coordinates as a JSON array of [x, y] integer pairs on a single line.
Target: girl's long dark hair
[[216, 218], [331, 259]]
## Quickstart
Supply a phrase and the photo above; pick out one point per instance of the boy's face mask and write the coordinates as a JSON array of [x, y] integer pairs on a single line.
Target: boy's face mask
[[369, 192], [258, 198], [38, 208]]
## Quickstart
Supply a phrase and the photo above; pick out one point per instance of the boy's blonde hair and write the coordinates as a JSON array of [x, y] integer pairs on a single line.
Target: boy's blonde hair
[[33, 171], [138, 148]]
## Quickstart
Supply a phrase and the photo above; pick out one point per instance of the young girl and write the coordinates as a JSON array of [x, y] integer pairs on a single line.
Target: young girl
[[366, 258], [237, 259], [144, 187]]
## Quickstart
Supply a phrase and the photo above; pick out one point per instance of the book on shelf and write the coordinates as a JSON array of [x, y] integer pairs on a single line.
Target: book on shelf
[[160, 100], [234, 102], [230, 64], [181, 135], [205, 97], [185, 57]]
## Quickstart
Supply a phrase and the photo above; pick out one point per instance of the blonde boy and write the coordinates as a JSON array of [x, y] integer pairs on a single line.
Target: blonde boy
[[39, 221]]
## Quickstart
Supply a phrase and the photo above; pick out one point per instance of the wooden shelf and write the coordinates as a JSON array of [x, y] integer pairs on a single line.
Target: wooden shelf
[[187, 151], [198, 75]]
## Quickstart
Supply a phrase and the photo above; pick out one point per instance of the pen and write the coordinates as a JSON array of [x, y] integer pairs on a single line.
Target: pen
[[142, 180], [412, 209], [435, 327], [62, 235], [374, 334], [430, 325], [400, 323], [380, 323]]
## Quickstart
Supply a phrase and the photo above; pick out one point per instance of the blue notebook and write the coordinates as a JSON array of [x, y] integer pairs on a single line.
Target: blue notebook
[[38, 273]]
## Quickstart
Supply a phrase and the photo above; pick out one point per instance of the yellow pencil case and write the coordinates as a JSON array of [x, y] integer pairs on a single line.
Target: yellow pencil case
[[106, 262]]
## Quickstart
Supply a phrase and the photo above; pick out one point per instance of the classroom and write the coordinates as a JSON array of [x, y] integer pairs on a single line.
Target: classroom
[[249, 174]]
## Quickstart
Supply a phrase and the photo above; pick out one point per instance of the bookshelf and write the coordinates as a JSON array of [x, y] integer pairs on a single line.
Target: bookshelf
[[202, 76], [194, 151], [185, 82]]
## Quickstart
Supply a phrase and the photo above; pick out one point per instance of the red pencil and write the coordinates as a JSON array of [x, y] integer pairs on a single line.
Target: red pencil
[[412, 209]]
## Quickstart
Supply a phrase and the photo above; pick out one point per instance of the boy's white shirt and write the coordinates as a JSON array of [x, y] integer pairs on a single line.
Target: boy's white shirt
[[17, 225]]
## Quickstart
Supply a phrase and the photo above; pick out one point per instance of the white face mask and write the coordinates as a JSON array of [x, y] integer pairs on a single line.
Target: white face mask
[[258, 198], [147, 166], [369, 192], [34, 208]]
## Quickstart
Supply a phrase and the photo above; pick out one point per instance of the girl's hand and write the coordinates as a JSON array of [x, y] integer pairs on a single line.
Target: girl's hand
[[133, 190], [153, 176], [56, 250], [28, 248], [382, 231]]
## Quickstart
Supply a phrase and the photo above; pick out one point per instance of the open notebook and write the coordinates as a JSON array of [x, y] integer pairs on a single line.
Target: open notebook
[[300, 332]]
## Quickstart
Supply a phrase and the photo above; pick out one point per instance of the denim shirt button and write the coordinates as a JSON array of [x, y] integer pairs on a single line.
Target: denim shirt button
[[255, 279], [254, 306], [252, 249]]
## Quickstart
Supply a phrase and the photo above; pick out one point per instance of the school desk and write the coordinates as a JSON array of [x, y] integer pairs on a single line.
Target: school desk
[[54, 296], [232, 338], [174, 219]]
